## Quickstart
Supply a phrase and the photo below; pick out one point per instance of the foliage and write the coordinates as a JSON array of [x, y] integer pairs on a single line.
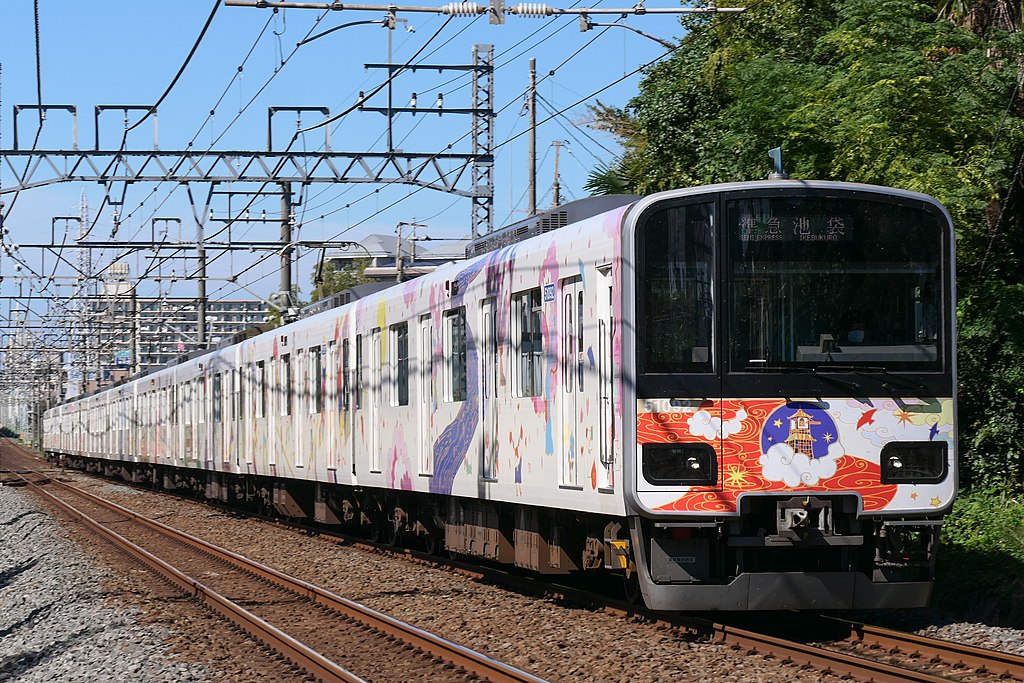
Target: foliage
[[889, 92], [981, 563], [333, 279]]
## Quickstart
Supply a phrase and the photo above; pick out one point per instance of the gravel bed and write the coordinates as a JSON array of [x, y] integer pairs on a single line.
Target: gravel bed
[[550, 640], [980, 635], [57, 623]]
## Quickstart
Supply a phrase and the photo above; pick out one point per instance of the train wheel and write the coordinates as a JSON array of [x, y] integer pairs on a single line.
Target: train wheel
[[430, 544], [631, 586]]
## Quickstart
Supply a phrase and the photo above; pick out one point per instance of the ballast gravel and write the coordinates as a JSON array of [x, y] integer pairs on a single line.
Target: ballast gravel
[[57, 622], [551, 640]]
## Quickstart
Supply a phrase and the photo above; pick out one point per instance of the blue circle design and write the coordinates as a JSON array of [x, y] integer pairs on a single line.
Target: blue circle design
[[824, 433]]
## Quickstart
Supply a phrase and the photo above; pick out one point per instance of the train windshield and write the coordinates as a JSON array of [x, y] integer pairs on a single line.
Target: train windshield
[[826, 282]]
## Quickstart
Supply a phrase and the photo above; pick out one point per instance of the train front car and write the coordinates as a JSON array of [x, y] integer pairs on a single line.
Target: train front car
[[793, 365]]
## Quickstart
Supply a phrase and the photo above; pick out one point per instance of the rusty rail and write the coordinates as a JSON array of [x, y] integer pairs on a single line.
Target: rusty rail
[[472, 661], [1003, 664]]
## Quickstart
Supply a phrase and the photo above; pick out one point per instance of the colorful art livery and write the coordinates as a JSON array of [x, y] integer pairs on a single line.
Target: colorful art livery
[[800, 447], [739, 396]]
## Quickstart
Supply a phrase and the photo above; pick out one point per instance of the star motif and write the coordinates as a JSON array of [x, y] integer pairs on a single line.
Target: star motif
[[736, 476], [771, 438], [913, 496], [903, 416], [936, 502], [828, 438], [777, 423]]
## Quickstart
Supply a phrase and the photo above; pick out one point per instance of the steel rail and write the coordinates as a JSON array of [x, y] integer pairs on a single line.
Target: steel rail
[[838, 663], [851, 666], [493, 670], [981, 659], [295, 651]]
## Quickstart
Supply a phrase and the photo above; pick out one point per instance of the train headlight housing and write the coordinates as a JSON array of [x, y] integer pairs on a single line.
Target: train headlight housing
[[680, 464], [914, 462]]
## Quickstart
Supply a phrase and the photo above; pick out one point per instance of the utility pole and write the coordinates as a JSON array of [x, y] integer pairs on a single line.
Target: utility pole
[[531, 192], [399, 255], [200, 291], [556, 189], [286, 247]]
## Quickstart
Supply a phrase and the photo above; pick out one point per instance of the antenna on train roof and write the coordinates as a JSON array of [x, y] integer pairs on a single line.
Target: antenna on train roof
[[778, 172]]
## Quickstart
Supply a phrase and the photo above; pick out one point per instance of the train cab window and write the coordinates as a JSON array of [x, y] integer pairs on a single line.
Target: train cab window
[[528, 352], [676, 297], [399, 361], [834, 281], [455, 355], [260, 388]]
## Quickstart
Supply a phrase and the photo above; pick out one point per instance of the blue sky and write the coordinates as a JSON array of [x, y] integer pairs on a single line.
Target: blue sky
[[127, 52]]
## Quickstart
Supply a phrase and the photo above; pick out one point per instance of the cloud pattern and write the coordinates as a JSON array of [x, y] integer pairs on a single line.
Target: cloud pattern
[[782, 463], [708, 427]]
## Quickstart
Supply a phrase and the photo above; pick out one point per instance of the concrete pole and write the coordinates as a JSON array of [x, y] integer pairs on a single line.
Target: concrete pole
[[286, 245], [532, 164]]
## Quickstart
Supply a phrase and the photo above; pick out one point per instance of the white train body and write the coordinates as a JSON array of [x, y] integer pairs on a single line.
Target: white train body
[[499, 404]]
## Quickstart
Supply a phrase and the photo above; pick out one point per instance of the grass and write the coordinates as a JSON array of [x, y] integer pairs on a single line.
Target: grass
[[980, 571]]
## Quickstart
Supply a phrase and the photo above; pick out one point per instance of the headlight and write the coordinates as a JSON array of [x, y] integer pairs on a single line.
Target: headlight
[[671, 464], [914, 462]]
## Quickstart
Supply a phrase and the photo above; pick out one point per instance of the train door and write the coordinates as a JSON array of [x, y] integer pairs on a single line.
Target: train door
[[488, 390], [426, 387], [606, 380], [332, 406], [376, 392], [357, 398], [202, 445], [573, 404]]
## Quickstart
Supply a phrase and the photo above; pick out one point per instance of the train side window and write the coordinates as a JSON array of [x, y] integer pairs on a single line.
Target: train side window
[[528, 344], [243, 389], [260, 380], [399, 352], [455, 354], [332, 377], [359, 371], [201, 393], [345, 368], [300, 378], [285, 388], [217, 397], [315, 381]]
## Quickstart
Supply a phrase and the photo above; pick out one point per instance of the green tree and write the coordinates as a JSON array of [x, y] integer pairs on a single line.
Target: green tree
[[893, 92], [332, 279]]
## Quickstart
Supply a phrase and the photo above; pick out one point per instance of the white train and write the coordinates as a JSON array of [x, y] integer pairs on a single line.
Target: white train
[[738, 396]]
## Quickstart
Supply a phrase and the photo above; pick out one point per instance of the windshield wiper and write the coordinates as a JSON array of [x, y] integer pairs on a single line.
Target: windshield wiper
[[868, 370], [791, 369]]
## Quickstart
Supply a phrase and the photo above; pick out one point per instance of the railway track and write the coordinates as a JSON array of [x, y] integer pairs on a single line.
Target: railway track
[[857, 651], [328, 636]]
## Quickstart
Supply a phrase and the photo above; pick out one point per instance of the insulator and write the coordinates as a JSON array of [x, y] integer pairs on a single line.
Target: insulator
[[532, 9], [462, 9]]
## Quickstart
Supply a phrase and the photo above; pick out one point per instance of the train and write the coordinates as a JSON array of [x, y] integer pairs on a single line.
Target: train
[[735, 397]]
